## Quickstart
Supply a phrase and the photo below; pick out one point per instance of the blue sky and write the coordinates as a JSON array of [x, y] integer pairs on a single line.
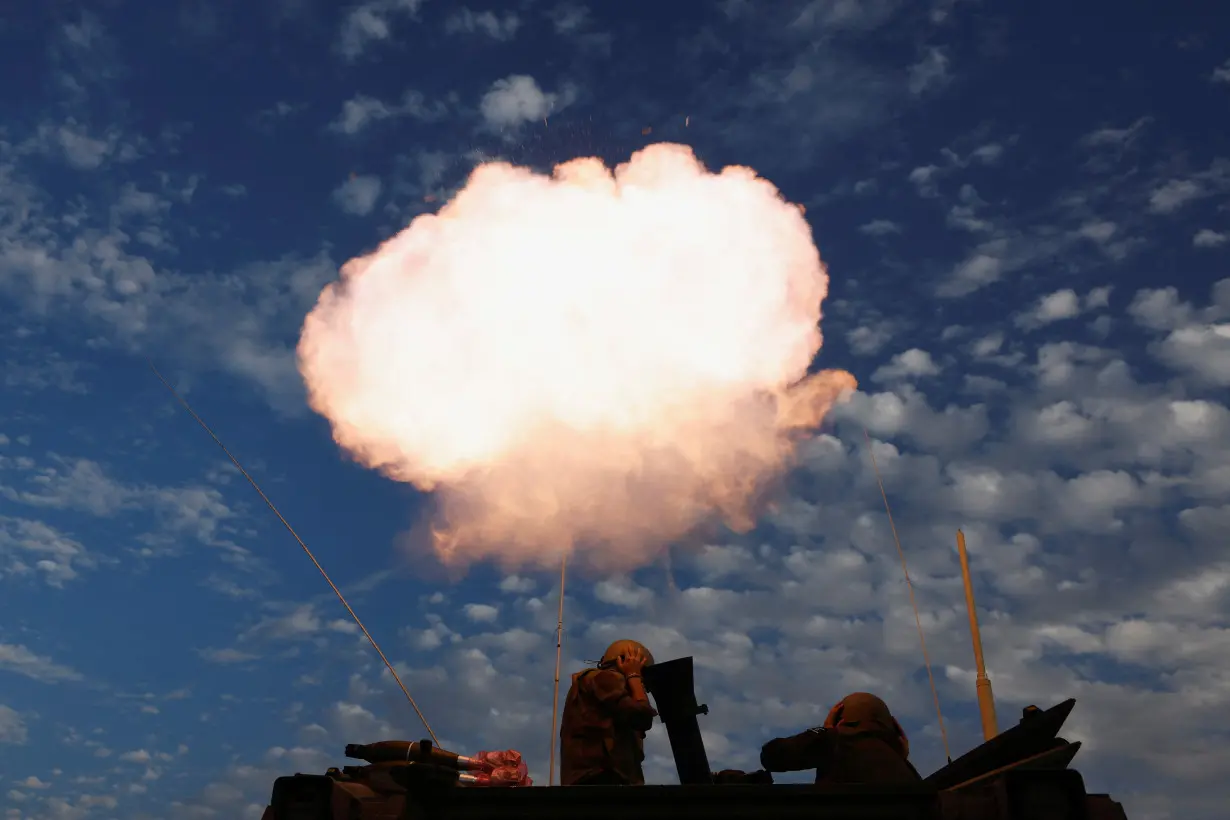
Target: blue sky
[[1025, 220]]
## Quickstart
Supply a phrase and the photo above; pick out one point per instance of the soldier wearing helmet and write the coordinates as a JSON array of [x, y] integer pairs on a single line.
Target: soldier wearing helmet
[[606, 716], [860, 742]]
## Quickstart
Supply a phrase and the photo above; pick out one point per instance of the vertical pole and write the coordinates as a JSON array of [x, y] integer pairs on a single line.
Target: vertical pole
[[986, 700], [559, 643]]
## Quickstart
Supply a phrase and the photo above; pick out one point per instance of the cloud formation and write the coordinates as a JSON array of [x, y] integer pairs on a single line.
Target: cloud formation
[[517, 99], [357, 196], [371, 21]]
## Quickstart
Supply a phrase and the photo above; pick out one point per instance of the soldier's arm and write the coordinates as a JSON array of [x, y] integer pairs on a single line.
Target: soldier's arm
[[812, 749], [625, 697]]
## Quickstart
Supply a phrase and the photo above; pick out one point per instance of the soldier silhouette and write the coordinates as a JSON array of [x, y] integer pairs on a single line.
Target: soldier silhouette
[[606, 716], [860, 742]]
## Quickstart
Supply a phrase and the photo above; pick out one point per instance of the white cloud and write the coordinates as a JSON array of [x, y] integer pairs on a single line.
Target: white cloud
[[911, 364], [941, 10], [964, 214], [82, 151], [1054, 307], [1201, 350], [226, 655], [83, 485], [1115, 137], [1098, 298], [988, 154], [1109, 238], [924, 178], [371, 22], [296, 622], [987, 345], [623, 593], [1173, 195], [361, 111], [1003, 250], [434, 636], [354, 721], [1221, 74], [12, 727], [977, 271], [567, 18], [29, 547], [85, 33], [1206, 238], [843, 15], [358, 112], [1098, 231], [17, 658], [867, 339], [517, 585], [930, 72], [1197, 342], [80, 484], [487, 23], [1159, 309], [880, 227], [267, 119], [358, 195], [481, 613], [517, 99], [131, 303]]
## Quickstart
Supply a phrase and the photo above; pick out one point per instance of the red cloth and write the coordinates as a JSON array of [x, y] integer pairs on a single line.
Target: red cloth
[[503, 769]]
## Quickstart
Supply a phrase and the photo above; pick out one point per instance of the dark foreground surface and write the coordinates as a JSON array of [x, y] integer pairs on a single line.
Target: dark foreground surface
[[1020, 774], [1026, 795]]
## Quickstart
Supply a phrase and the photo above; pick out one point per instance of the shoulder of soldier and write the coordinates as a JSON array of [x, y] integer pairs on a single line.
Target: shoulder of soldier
[[597, 676]]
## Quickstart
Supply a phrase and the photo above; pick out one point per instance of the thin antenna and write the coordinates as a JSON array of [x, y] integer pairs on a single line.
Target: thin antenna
[[909, 584], [986, 700], [291, 530], [559, 645]]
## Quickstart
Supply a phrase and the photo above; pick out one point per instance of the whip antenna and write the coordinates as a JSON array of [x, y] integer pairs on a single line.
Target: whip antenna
[[910, 586], [295, 535], [559, 644]]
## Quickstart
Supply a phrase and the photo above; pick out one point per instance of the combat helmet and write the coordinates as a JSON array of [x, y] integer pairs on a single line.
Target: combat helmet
[[865, 713], [623, 648]]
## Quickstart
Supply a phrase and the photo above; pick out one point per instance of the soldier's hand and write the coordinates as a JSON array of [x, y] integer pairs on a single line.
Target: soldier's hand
[[631, 663]]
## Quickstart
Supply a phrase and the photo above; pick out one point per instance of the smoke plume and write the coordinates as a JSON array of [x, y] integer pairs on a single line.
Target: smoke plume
[[596, 360]]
